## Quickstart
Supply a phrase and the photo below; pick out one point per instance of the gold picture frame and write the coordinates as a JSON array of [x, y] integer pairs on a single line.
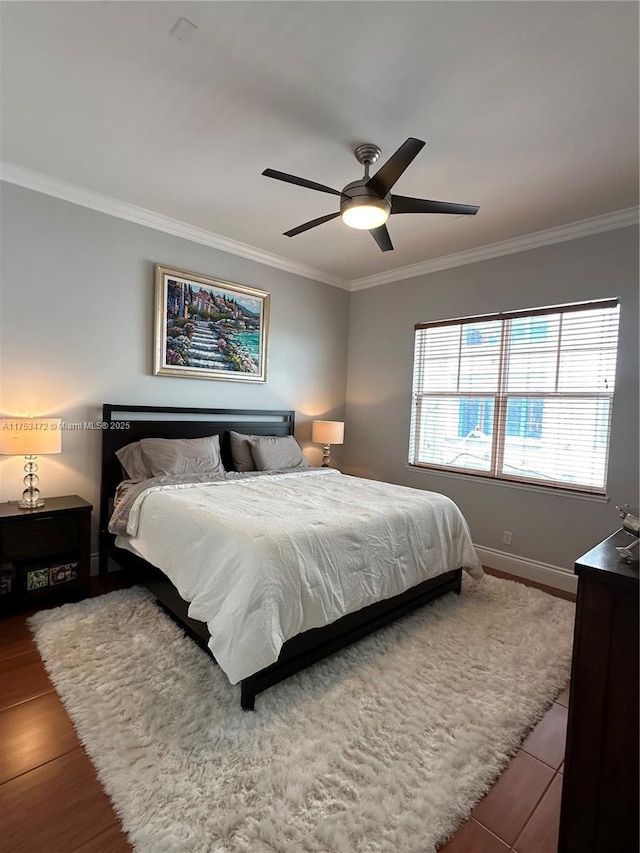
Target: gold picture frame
[[207, 328]]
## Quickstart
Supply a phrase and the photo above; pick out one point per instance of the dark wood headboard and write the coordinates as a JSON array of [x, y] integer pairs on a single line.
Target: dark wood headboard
[[124, 424]]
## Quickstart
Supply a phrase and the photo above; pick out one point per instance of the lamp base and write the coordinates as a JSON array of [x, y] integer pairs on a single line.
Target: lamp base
[[326, 452], [31, 496], [31, 504]]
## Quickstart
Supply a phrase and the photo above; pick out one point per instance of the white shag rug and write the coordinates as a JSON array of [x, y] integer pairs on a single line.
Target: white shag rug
[[385, 746]]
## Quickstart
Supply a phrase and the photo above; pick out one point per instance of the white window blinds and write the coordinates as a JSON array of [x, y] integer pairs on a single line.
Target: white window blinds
[[522, 396]]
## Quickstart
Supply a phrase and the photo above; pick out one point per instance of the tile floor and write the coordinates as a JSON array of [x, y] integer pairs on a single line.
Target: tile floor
[[521, 813], [51, 800]]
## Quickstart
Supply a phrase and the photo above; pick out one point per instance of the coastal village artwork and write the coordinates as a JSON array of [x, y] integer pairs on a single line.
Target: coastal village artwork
[[209, 329]]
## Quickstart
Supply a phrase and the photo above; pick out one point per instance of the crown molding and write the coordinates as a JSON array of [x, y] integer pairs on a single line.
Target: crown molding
[[573, 231], [32, 180], [39, 182]]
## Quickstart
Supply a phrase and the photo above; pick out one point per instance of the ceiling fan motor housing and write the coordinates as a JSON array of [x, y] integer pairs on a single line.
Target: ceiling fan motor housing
[[358, 194]]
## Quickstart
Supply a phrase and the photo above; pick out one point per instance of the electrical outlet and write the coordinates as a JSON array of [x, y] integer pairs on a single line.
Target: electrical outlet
[[506, 537]]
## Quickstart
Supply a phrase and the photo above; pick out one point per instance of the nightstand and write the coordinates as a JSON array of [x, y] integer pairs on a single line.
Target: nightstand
[[44, 553]]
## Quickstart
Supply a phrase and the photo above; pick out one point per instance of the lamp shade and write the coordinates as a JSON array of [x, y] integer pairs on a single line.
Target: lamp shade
[[327, 432], [30, 436]]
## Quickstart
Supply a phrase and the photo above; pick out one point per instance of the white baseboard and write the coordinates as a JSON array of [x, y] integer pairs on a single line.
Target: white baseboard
[[522, 567]]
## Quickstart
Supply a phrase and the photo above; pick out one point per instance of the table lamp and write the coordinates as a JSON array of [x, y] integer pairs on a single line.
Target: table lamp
[[327, 433], [30, 437]]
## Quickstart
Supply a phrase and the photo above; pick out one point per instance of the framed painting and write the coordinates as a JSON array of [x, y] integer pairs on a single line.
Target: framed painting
[[209, 329]]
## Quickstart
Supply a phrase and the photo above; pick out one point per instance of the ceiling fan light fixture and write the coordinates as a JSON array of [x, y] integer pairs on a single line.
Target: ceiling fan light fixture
[[365, 213]]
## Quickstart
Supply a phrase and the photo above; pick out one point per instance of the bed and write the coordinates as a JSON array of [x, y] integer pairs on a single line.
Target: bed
[[323, 555]]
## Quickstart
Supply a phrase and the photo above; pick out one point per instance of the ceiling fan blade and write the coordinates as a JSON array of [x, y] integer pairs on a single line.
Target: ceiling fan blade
[[301, 182], [387, 175], [311, 224], [403, 204], [382, 238]]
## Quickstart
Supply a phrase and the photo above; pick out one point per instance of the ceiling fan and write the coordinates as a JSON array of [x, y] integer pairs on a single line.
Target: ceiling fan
[[367, 204]]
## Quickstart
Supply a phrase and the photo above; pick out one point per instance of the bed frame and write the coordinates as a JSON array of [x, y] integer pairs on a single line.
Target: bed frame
[[178, 422]]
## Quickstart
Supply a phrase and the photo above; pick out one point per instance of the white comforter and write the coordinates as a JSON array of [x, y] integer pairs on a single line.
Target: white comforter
[[263, 559]]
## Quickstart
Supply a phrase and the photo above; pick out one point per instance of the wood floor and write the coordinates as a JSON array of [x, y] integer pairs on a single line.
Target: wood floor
[[51, 800]]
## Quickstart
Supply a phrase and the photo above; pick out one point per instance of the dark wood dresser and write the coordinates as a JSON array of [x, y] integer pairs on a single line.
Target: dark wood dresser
[[600, 789]]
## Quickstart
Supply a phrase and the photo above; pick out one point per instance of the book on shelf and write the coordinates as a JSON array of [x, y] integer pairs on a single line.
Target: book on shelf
[[6, 578], [63, 573], [40, 575], [36, 579]]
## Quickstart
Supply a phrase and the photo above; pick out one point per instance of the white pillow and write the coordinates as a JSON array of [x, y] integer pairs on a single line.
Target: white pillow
[[183, 455], [273, 453]]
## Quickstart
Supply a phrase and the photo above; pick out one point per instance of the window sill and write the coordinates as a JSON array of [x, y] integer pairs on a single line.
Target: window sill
[[527, 487]]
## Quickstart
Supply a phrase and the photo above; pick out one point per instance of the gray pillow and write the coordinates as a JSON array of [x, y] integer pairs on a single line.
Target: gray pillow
[[132, 460], [241, 451], [272, 453], [183, 455]]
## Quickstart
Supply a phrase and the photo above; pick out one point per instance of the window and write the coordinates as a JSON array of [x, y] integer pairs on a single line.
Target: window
[[522, 396]]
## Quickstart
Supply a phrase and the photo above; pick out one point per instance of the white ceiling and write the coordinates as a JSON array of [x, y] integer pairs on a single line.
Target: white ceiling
[[529, 109]]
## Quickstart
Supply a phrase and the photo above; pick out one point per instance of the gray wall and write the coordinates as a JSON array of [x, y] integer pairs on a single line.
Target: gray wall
[[76, 330], [546, 527]]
